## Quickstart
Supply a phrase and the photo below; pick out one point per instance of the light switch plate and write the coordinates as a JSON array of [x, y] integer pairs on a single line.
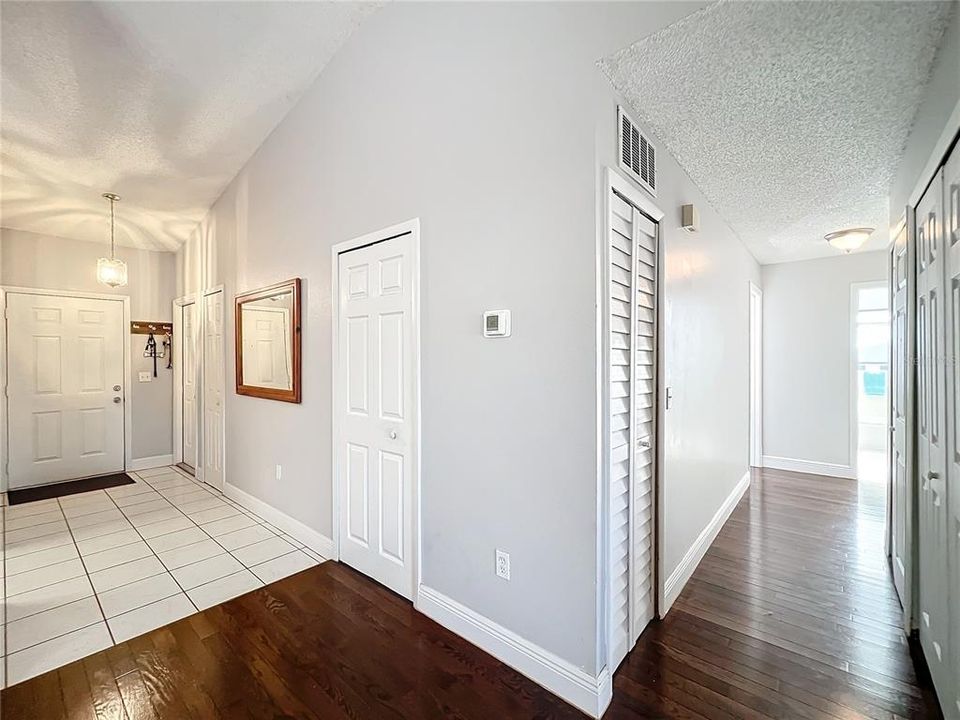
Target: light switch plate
[[146, 376]]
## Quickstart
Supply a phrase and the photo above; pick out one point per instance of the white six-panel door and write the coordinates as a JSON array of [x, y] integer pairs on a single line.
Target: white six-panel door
[[213, 389], [951, 222], [189, 407], [902, 418], [374, 395], [932, 435], [65, 388]]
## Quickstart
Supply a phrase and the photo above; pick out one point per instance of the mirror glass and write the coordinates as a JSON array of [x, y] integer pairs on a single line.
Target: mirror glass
[[268, 337], [267, 346]]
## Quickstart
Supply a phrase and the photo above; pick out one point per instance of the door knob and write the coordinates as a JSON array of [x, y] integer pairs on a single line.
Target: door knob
[[116, 399], [645, 443], [393, 434], [116, 388]]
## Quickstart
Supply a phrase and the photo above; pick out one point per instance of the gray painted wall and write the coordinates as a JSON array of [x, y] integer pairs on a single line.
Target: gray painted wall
[[491, 123], [43, 261], [807, 355]]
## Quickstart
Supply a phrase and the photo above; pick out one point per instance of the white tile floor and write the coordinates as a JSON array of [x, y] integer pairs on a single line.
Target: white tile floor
[[83, 572]]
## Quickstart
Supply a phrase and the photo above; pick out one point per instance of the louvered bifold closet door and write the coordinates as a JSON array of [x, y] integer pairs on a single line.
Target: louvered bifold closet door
[[645, 415], [632, 410]]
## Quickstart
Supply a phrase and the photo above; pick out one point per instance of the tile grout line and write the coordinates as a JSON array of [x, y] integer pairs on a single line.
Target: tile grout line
[[255, 518], [162, 563], [200, 527], [84, 566]]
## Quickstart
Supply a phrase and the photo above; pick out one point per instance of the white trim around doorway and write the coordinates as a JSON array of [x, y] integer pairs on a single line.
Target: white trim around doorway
[[127, 394]]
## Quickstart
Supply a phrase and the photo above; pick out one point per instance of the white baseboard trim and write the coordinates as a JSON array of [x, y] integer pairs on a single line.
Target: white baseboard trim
[[809, 466], [679, 577], [147, 463], [590, 694], [318, 542]]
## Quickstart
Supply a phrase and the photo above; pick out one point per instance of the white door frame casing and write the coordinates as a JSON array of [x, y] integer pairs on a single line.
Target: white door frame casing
[[613, 181], [178, 376], [127, 395], [411, 227], [756, 376]]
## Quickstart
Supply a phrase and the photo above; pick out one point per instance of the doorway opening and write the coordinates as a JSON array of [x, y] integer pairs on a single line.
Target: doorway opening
[[871, 374]]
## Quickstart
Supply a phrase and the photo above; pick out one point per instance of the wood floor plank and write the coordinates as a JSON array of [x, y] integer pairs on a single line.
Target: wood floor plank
[[790, 615]]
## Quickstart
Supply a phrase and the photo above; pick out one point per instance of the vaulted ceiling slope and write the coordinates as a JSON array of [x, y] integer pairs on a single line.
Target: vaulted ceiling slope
[[160, 102], [791, 117]]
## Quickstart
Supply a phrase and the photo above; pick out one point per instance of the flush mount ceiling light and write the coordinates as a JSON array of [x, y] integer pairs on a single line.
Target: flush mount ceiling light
[[111, 271], [850, 239]]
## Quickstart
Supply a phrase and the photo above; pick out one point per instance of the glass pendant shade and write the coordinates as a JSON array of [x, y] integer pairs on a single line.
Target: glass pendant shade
[[112, 272], [849, 240]]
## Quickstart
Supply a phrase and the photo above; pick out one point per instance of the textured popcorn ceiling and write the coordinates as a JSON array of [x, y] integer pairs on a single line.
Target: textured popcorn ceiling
[[790, 117], [160, 102]]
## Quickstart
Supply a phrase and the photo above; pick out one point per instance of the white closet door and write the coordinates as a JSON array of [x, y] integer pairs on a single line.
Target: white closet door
[[645, 414], [901, 386], [932, 434], [65, 388], [951, 210], [213, 389], [631, 407], [374, 401], [189, 407]]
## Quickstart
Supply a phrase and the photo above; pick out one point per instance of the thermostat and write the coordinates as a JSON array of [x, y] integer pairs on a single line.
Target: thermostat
[[496, 323]]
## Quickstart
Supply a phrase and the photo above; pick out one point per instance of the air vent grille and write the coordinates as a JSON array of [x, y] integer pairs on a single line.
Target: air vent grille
[[637, 154]]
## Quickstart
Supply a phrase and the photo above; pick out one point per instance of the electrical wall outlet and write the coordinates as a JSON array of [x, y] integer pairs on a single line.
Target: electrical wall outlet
[[145, 376], [503, 564], [279, 471]]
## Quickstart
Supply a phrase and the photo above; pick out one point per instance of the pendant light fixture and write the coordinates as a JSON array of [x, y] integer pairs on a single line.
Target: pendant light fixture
[[850, 239], [111, 271]]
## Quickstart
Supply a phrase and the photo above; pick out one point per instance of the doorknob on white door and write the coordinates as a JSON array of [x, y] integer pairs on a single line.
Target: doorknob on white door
[[116, 388], [116, 399], [393, 434]]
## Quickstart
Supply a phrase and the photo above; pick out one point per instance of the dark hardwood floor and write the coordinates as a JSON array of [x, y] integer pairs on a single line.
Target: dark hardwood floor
[[791, 614]]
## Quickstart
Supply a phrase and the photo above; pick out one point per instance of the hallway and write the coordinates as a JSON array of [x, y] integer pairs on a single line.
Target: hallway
[[791, 614]]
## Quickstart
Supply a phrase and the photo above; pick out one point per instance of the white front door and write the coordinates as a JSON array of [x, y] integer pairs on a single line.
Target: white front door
[[374, 399], [65, 388], [213, 389], [189, 406]]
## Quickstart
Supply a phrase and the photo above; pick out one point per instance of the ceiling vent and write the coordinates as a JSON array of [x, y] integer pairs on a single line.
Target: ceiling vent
[[637, 155]]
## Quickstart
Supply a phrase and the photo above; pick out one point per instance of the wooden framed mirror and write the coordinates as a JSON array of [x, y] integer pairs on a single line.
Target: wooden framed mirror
[[268, 342]]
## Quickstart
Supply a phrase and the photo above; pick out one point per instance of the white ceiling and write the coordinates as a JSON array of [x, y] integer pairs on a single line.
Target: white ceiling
[[790, 117], [160, 102]]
